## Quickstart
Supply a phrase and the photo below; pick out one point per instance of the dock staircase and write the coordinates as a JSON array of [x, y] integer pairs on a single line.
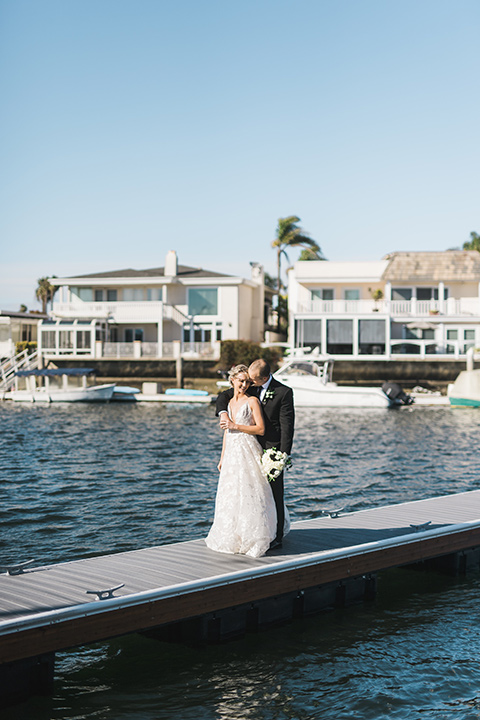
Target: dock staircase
[[8, 368]]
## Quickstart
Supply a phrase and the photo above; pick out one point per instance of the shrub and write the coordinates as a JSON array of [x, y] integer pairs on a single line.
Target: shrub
[[25, 345], [236, 352]]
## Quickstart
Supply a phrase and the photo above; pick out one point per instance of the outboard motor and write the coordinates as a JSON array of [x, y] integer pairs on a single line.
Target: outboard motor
[[393, 391]]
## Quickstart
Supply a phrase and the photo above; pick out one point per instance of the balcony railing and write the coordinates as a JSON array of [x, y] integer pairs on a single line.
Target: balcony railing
[[396, 308], [122, 350], [144, 311]]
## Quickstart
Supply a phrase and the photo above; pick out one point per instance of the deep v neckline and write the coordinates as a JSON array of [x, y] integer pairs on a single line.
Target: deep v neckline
[[238, 410]]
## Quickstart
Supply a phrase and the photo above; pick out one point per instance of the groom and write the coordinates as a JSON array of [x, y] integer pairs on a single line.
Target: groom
[[279, 415]]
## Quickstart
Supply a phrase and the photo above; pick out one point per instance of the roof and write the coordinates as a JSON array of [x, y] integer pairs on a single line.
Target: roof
[[448, 266], [27, 315], [182, 271]]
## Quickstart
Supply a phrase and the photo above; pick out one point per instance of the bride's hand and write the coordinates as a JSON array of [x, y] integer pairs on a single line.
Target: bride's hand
[[226, 423], [219, 466]]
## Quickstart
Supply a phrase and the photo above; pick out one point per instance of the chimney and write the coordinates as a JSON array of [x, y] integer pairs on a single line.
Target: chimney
[[171, 264]]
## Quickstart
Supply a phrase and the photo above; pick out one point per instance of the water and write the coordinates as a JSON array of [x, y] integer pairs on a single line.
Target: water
[[77, 481]]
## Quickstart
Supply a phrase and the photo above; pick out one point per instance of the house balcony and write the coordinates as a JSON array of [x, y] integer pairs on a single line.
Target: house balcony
[[120, 312], [394, 308], [135, 350]]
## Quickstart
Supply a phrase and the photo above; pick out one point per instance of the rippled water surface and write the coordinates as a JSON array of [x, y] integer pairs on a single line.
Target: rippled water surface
[[77, 481]]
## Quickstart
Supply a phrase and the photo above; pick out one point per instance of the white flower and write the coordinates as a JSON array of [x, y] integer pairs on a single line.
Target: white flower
[[274, 463]]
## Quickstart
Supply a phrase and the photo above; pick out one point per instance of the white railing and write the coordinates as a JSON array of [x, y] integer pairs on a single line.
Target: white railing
[[8, 368], [398, 308], [141, 311]]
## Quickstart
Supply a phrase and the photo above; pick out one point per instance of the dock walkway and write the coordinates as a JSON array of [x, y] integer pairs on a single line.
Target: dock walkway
[[46, 609]]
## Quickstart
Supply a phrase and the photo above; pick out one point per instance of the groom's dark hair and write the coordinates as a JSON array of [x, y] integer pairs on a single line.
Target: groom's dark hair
[[261, 367]]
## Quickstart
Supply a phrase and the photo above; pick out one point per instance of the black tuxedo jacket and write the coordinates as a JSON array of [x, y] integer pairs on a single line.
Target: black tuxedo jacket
[[278, 412]]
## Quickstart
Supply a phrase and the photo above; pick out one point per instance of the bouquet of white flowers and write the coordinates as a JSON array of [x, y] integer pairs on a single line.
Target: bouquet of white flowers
[[274, 463]]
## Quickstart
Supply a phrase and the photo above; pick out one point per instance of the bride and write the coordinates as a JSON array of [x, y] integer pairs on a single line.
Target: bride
[[245, 516]]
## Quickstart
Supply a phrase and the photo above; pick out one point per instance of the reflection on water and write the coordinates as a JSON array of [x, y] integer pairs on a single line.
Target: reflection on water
[[77, 481]]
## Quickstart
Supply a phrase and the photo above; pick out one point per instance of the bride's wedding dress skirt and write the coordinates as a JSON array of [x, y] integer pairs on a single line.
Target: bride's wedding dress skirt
[[245, 516]]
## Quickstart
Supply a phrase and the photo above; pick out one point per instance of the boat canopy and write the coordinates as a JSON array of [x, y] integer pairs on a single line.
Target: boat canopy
[[76, 372]]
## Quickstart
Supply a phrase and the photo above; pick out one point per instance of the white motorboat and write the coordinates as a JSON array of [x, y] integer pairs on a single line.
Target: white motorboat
[[465, 391], [311, 382], [55, 385]]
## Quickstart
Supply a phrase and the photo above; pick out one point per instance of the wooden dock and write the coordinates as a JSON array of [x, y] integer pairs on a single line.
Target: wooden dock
[[185, 591]]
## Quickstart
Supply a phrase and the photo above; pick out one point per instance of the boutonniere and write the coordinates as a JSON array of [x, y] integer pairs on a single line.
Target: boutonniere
[[269, 395]]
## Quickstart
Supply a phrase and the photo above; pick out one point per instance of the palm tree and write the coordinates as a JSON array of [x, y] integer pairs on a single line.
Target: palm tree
[[473, 243], [45, 292], [289, 235]]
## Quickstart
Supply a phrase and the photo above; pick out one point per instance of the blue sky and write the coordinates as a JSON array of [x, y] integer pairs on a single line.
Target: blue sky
[[132, 127]]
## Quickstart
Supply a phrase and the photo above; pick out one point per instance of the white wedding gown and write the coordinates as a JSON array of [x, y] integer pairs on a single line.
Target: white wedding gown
[[245, 516]]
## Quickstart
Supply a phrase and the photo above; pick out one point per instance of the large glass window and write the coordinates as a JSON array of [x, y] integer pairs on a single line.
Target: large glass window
[[98, 295], [112, 295], [308, 333], [202, 301], [340, 337], [371, 337]]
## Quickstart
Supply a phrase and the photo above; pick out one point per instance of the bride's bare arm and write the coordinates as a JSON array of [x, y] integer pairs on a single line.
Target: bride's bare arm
[[219, 466], [258, 428]]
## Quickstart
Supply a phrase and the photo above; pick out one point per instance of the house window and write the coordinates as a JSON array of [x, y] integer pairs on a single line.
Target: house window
[[202, 301], [469, 335], [352, 294], [98, 295], [27, 333], [112, 295], [133, 294], [430, 293], [322, 294], [85, 294], [401, 293], [154, 294], [308, 333], [66, 339], [132, 334], [452, 334], [340, 337], [48, 339], [83, 339], [371, 337]]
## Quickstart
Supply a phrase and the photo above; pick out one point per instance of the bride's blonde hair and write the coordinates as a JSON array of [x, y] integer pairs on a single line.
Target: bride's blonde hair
[[234, 371]]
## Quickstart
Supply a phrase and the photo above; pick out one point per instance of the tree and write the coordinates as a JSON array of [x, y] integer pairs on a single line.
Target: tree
[[289, 235], [309, 254], [45, 292], [473, 243]]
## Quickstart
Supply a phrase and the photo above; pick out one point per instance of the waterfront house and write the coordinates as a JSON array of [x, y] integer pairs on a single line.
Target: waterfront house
[[165, 312], [17, 327], [410, 304]]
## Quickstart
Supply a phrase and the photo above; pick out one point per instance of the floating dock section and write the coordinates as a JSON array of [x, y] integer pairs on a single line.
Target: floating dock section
[[186, 592]]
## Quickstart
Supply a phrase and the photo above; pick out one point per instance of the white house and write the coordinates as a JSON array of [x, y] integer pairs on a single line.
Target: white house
[[16, 327], [158, 313], [408, 304]]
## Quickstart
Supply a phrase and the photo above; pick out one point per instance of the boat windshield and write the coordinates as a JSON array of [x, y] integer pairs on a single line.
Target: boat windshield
[[302, 368]]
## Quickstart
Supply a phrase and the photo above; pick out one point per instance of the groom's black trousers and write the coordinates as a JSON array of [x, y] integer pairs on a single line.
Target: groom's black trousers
[[277, 490]]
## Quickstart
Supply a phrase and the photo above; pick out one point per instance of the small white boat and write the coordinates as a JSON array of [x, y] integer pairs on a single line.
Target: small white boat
[[465, 391], [311, 382], [52, 385]]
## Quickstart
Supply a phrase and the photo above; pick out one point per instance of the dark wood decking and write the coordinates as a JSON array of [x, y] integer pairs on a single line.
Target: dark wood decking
[[46, 609]]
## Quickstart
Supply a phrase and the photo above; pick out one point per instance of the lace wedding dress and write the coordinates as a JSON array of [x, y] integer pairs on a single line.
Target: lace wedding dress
[[245, 516]]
